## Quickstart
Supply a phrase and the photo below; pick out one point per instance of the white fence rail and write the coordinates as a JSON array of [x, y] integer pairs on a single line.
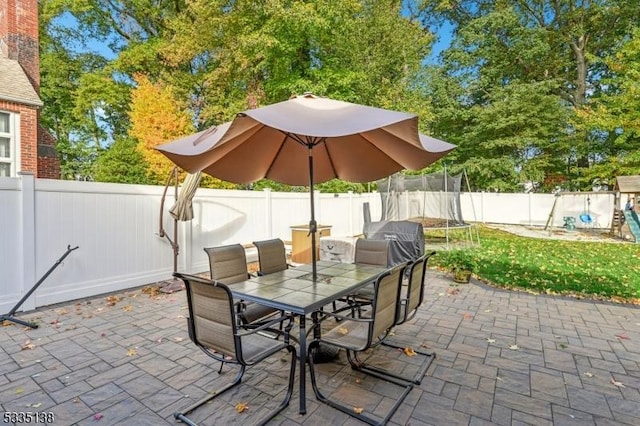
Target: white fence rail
[[116, 228]]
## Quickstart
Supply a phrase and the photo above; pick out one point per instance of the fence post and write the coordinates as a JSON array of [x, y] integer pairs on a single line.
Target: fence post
[[350, 212], [268, 212], [28, 237], [186, 244]]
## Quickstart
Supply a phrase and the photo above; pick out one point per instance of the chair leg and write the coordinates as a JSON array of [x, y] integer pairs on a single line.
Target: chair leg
[[406, 388], [287, 398], [182, 415], [359, 365]]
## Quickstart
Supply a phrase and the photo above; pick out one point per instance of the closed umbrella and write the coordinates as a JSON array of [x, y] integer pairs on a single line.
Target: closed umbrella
[[182, 210], [306, 140]]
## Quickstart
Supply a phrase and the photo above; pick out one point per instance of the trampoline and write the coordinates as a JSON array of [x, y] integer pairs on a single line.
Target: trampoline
[[433, 200]]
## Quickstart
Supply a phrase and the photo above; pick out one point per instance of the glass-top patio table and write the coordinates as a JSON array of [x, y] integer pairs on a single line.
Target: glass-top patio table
[[293, 290]]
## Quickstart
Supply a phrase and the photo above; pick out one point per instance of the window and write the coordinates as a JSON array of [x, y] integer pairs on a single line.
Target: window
[[8, 137]]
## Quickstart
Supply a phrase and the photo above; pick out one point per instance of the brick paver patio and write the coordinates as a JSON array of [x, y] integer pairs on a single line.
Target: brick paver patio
[[502, 358]]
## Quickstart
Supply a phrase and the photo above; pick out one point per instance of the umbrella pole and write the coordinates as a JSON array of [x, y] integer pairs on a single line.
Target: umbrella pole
[[313, 226]]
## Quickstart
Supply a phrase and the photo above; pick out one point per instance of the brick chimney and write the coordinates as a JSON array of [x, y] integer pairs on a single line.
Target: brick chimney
[[19, 42], [19, 36]]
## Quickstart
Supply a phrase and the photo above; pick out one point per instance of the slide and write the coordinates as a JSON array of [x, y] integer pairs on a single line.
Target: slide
[[631, 219]]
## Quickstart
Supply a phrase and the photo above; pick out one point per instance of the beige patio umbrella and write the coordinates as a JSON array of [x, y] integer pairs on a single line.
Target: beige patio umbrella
[[306, 140]]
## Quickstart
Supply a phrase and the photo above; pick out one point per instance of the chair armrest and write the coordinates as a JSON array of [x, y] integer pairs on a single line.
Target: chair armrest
[[326, 315], [249, 329]]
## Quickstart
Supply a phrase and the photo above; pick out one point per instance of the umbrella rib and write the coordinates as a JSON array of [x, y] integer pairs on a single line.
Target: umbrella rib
[[333, 168], [280, 148]]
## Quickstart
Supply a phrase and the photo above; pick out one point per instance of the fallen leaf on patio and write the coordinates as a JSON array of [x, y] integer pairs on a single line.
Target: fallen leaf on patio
[[563, 346], [618, 384], [408, 351], [491, 340], [62, 312], [97, 416], [453, 291], [514, 347], [128, 308], [36, 405], [19, 391], [178, 339], [75, 400], [241, 406], [467, 316], [440, 294], [486, 311], [131, 352], [358, 381], [28, 345], [54, 322], [343, 330], [112, 300], [623, 336], [589, 374], [6, 323], [159, 340], [180, 316], [358, 410], [103, 334]]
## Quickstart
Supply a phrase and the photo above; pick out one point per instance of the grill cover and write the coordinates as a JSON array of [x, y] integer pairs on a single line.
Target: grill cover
[[406, 239]]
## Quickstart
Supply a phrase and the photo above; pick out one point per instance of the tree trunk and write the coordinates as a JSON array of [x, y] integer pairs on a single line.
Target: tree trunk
[[580, 91]]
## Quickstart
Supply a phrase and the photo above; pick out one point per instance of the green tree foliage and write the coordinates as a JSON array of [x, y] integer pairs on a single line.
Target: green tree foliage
[[509, 88], [122, 162], [223, 57], [614, 114], [528, 89]]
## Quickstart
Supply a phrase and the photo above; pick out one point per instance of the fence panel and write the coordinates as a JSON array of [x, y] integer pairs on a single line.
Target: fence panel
[[116, 228], [10, 243]]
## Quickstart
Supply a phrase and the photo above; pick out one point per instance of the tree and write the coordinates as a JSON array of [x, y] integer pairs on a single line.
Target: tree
[[156, 117], [614, 114], [122, 162], [523, 46]]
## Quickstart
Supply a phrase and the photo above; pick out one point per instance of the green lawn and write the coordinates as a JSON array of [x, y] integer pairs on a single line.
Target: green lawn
[[583, 269]]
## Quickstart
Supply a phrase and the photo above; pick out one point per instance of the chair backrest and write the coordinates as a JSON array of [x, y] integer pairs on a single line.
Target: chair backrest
[[385, 301], [272, 256], [415, 289], [211, 319], [228, 264], [372, 252]]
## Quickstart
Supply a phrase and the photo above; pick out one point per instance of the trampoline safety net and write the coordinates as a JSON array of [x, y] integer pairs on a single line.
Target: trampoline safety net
[[433, 198]]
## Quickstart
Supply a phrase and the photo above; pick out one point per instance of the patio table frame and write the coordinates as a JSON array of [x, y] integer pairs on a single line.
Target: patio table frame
[[294, 290]]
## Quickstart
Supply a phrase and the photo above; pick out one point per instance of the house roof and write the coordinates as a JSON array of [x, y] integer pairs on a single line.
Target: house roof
[[628, 184], [15, 85]]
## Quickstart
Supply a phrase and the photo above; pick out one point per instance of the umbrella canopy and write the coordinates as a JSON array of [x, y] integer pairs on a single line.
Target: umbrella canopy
[[306, 140]]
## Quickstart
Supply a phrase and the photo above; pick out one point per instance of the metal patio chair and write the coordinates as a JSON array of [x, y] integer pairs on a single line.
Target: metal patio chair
[[357, 335], [228, 264], [272, 256], [367, 252], [410, 298], [213, 328]]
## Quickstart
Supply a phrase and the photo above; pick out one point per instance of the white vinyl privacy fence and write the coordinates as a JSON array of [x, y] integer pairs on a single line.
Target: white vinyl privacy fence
[[116, 229]]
